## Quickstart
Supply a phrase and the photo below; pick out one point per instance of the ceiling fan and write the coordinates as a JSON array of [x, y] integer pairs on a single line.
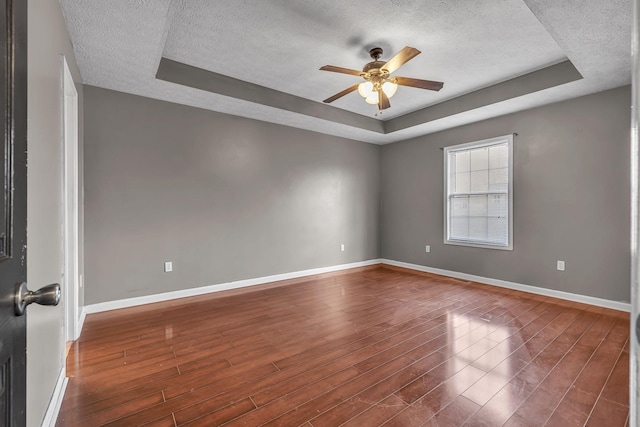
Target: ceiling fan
[[379, 86]]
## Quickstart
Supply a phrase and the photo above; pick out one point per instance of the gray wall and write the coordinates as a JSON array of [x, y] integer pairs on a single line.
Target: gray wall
[[225, 198], [47, 40], [571, 198]]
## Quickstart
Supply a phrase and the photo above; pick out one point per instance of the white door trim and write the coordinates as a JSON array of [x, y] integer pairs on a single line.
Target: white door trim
[[70, 285], [634, 361]]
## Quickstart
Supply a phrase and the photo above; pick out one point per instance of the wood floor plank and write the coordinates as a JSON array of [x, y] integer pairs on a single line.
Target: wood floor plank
[[374, 346], [607, 413], [573, 410], [167, 421], [358, 403], [482, 391], [592, 380], [377, 413], [222, 415], [338, 394], [456, 413], [617, 387], [546, 368]]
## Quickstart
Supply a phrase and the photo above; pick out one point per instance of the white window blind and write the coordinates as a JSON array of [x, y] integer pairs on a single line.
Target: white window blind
[[478, 191]]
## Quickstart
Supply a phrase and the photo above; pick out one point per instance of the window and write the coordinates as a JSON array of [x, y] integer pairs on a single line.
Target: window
[[479, 193]]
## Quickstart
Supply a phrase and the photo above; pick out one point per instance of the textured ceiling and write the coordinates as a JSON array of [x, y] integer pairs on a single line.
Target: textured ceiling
[[279, 45]]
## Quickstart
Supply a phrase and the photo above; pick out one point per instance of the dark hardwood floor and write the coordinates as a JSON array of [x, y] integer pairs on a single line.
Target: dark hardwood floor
[[367, 347]]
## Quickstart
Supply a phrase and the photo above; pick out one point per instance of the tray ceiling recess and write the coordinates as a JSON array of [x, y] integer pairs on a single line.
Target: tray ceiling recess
[[260, 59]]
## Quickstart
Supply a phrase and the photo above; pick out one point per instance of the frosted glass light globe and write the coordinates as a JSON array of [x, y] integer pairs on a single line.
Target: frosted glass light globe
[[389, 89], [372, 98], [365, 89]]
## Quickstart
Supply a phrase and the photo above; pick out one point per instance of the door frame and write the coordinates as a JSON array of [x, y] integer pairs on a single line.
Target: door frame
[[70, 190], [634, 360]]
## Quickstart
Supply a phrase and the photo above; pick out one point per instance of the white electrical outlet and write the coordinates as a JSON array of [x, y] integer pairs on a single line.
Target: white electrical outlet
[[427, 248], [560, 266], [168, 267], [342, 247]]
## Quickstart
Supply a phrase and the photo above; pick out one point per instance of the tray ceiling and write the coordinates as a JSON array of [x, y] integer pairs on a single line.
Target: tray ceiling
[[260, 59]]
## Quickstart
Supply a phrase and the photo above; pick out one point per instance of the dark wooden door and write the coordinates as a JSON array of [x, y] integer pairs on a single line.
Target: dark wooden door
[[13, 208]]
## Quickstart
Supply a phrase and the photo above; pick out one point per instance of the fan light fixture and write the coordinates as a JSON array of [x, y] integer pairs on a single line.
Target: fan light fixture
[[379, 86]]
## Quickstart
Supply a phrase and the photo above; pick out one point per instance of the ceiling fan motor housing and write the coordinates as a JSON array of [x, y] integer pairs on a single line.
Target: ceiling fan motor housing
[[374, 67]]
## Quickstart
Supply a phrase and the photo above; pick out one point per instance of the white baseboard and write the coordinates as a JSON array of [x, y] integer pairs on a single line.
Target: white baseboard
[[132, 302], [600, 302], [51, 416]]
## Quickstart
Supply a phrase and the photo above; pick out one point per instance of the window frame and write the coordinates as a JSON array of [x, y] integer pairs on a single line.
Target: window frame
[[448, 195]]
